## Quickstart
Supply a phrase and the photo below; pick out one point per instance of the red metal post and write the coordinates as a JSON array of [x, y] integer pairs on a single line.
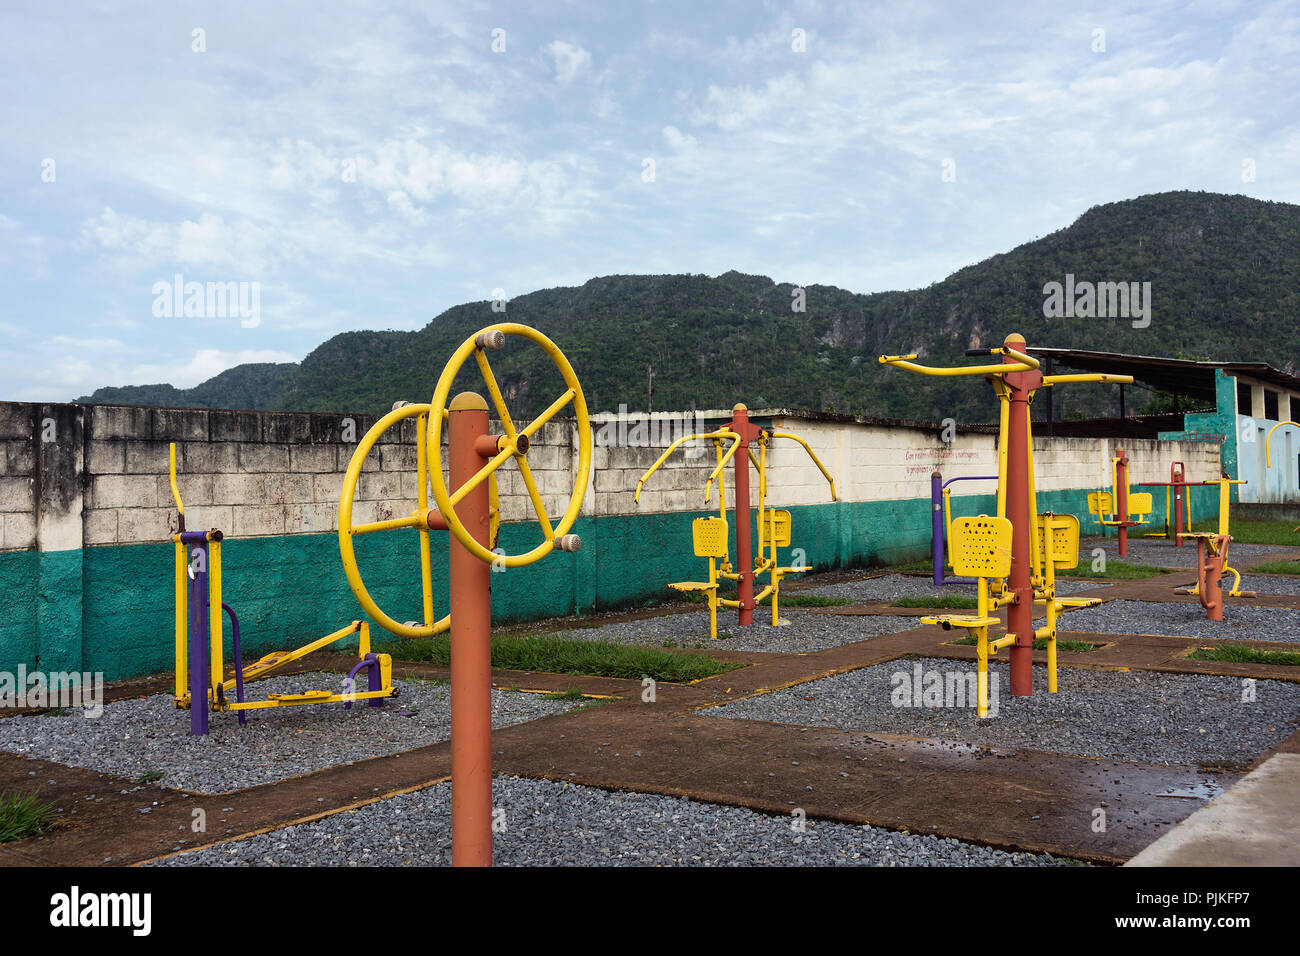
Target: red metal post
[[471, 636], [1121, 500], [1020, 615], [744, 555]]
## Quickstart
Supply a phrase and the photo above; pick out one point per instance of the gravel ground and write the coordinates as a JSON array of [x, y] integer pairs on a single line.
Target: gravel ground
[[805, 632], [1169, 719], [891, 587], [1240, 622], [1159, 553], [1267, 583], [559, 824], [134, 737]]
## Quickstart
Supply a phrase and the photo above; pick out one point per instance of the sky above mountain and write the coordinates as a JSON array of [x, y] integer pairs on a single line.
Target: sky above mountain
[[367, 165]]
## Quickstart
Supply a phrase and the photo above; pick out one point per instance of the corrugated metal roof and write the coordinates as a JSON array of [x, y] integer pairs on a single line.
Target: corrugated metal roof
[[1182, 376]]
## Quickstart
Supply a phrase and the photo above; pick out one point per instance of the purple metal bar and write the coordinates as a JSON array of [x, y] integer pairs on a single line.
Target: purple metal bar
[[939, 528], [371, 662], [198, 624]]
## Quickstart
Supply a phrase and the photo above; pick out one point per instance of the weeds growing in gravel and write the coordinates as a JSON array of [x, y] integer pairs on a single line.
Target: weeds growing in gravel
[[564, 655], [21, 817]]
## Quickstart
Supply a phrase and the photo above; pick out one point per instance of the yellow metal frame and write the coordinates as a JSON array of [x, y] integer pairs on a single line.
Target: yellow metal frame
[[417, 519], [220, 689], [509, 445], [1211, 538], [1044, 533], [774, 525]]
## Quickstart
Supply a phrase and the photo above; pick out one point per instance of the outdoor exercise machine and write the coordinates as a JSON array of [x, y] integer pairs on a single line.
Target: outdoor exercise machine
[[201, 684], [465, 509], [941, 521], [1120, 508], [1178, 504], [1029, 572], [1212, 557], [710, 535]]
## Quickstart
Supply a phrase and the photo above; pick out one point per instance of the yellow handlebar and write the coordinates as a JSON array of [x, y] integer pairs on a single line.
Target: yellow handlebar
[[176, 492], [813, 455], [1023, 363], [1049, 380], [721, 433]]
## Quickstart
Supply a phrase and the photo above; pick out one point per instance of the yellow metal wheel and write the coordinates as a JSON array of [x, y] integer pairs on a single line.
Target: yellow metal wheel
[[417, 519], [512, 444]]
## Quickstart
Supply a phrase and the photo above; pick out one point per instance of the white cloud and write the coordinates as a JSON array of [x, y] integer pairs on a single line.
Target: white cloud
[[570, 60]]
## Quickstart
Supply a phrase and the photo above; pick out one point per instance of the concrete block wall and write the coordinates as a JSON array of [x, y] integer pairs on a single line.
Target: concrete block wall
[[103, 472]]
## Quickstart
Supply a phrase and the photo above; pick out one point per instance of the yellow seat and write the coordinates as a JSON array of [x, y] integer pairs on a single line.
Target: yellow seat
[[981, 549], [1065, 539], [709, 537]]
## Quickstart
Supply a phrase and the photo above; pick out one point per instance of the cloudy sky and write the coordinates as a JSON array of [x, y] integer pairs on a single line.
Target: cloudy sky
[[368, 165]]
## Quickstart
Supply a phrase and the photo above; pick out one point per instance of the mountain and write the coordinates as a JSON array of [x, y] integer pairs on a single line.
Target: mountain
[[1222, 271]]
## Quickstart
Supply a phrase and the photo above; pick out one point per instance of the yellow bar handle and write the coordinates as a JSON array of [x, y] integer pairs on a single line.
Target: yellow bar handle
[[672, 448], [176, 492], [1023, 363], [1049, 380], [813, 455]]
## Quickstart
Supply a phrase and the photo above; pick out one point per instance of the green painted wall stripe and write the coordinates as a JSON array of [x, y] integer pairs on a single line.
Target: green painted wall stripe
[[109, 609]]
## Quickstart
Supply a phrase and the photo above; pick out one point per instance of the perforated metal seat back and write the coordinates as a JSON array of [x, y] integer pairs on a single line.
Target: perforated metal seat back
[[1139, 503], [710, 537], [1065, 539], [1099, 503], [981, 547], [781, 534]]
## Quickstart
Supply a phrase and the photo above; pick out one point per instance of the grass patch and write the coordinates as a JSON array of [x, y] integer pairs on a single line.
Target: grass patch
[[1245, 655], [952, 601], [1074, 647], [563, 655], [1275, 567], [572, 693], [22, 817], [1263, 532], [1118, 570]]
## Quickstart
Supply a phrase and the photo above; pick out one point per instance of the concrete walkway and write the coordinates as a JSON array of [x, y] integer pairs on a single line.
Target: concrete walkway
[[1254, 823]]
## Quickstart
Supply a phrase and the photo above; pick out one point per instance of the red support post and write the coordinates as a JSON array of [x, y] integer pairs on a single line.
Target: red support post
[[469, 448], [1020, 615], [1121, 500]]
